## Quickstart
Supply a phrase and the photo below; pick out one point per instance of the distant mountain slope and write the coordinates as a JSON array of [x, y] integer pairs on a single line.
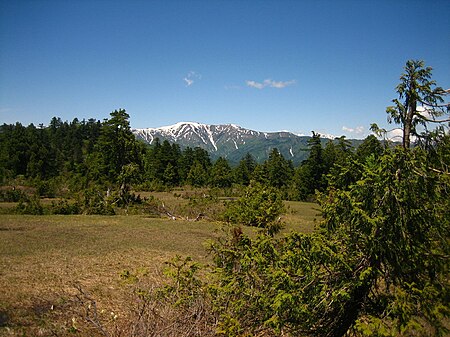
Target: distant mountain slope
[[229, 141]]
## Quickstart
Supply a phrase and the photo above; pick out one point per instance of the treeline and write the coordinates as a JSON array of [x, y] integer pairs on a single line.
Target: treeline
[[67, 157]]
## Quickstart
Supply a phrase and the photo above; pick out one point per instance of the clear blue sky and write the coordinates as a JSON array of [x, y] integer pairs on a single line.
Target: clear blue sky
[[328, 66]]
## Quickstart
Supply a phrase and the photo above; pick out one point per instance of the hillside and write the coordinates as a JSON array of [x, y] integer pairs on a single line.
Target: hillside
[[230, 141]]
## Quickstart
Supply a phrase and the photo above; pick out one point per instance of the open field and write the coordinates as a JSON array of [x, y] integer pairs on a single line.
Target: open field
[[43, 258]]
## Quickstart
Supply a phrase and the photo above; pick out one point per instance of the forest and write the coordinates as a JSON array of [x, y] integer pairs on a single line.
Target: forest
[[375, 265], [65, 159]]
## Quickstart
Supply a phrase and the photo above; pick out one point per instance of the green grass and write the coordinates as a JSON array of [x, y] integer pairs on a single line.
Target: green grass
[[42, 258], [301, 216]]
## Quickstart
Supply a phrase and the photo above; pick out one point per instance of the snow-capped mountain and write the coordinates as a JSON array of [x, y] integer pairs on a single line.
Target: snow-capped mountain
[[197, 134], [229, 141]]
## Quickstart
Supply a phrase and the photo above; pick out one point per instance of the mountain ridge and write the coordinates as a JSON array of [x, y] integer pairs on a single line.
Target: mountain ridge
[[230, 141]]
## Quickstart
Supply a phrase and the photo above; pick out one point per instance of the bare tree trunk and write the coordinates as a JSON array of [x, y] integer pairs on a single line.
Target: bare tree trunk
[[408, 124]]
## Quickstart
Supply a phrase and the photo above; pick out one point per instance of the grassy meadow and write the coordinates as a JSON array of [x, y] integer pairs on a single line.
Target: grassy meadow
[[43, 259]]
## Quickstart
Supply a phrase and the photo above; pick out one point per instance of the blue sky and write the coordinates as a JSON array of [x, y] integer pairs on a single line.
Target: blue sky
[[328, 66]]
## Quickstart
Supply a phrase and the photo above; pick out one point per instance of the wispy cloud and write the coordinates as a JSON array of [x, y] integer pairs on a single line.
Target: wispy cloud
[[270, 83], [191, 78], [254, 84], [359, 130], [281, 84]]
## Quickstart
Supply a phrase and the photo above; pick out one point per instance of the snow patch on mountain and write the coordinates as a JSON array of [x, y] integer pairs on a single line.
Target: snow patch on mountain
[[230, 141]]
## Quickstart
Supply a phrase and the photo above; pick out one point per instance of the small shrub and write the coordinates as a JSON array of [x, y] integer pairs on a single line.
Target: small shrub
[[45, 189], [14, 195], [64, 207], [96, 203], [31, 206], [203, 205], [260, 206]]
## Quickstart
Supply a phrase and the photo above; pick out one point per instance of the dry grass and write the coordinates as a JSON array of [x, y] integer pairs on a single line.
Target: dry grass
[[43, 258], [301, 216]]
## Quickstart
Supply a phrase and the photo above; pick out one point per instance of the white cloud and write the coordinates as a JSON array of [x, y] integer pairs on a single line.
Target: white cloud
[[270, 83], [188, 81], [254, 84], [425, 112], [281, 84], [395, 135], [359, 130], [191, 78]]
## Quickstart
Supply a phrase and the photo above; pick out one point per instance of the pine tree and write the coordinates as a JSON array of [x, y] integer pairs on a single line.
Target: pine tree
[[279, 170], [419, 101], [116, 147], [244, 171], [220, 175]]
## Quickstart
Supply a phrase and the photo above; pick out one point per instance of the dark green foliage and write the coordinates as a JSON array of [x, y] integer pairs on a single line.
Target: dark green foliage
[[371, 146], [244, 171], [46, 152], [65, 207], [161, 163], [166, 165], [309, 177], [279, 170], [197, 176], [65, 158], [95, 202], [377, 266], [260, 206], [393, 219], [221, 175], [116, 147], [45, 188], [11, 195], [30, 205]]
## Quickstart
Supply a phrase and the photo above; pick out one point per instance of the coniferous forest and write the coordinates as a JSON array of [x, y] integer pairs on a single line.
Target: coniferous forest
[[67, 158], [375, 265]]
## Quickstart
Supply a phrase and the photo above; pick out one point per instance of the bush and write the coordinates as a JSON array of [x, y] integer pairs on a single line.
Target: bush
[[96, 203], [14, 195], [64, 207], [45, 188], [30, 206], [260, 206]]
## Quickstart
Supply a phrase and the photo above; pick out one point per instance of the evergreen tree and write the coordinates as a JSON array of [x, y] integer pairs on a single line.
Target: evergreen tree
[[185, 162], [201, 156], [170, 176], [116, 147], [221, 174], [14, 149], [371, 146], [309, 177], [260, 175], [244, 171], [153, 164], [197, 176], [279, 170], [416, 90], [377, 266]]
